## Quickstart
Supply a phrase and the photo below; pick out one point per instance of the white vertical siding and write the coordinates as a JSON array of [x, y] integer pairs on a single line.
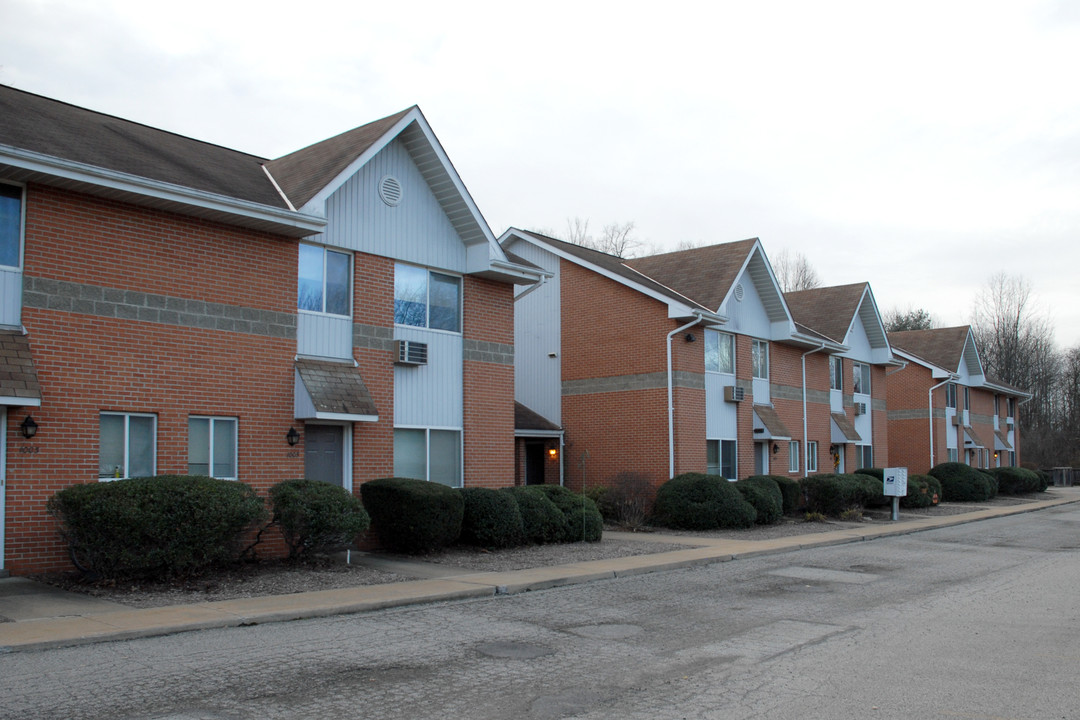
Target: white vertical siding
[[858, 343], [720, 416], [430, 395], [323, 335], [761, 391], [537, 333], [836, 400], [416, 230], [864, 424], [748, 316], [10, 297]]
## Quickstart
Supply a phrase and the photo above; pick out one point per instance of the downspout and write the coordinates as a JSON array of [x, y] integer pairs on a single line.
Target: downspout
[[671, 397], [806, 445], [930, 407], [534, 286]]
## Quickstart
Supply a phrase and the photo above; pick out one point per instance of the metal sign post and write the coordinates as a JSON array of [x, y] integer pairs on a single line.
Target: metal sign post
[[895, 487]]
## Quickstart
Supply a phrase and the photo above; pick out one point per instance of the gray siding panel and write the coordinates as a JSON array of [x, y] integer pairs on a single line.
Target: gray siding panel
[[10, 297], [430, 395], [537, 333], [324, 335]]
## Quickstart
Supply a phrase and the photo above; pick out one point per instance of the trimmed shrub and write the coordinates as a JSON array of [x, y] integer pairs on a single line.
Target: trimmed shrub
[[992, 481], [1015, 480], [763, 493], [315, 516], [962, 483], [154, 527], [1045, 480], [790, 491], [832, 494], [872, 481], [581, 518], [413, 516], [918, 493], [491, 519], [541, 519], [693, 501], [628, 500], [933, 487]]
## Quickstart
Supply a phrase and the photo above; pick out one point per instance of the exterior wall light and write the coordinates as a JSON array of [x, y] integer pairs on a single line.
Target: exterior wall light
[[292, 436], [28, 427], [553, 453], [775, 448]]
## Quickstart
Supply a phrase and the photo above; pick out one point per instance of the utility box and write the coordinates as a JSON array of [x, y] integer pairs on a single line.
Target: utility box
[[895, 482]]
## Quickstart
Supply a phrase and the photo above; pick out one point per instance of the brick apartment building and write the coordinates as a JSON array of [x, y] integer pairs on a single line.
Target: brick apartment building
[[172, 306], [692, 361], [943, 408]]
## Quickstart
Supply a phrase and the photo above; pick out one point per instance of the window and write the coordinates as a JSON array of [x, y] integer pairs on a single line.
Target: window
[[793, 456], [212, 447], [433, 455], [836, 372], [967, 398], [323, 284], [1012, 407], [759, 354], [720, 458], [126, 445], [997, 405], [10, 224], [950, 395], [952, 455], [719, 352], [861, 378], [426, 299], [811, 455], [864, 456]]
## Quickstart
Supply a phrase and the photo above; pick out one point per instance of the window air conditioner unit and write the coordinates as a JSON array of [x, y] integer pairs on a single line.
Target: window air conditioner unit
[[1009, 421], [410, 352], [956, 420], [860, 408], [734, 393]]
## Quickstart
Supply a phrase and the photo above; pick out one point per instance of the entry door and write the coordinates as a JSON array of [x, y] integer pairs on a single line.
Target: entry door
[[534, 463], [761, 458], [3, 478], [839, 463], [324, 453]]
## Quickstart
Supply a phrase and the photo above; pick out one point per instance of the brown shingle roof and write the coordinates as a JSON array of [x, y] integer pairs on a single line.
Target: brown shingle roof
[[703, 274], [336, 387], [528, 419], [57, 129], [973, 437], [828, 310], [302, 174], [18, 377], [1003, 441], [846, 427], [771, 420], [943, 347]]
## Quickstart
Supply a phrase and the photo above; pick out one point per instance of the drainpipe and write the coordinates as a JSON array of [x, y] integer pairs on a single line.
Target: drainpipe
[[806, 446], [930, 407], [670, 397], [535, 286]]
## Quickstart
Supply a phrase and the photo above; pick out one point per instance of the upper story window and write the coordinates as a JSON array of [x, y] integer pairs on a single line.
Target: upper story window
[[759, 357], [719, 352], [427, 299], [861, 378], [1012, 407], [126, 446], [997, 405], [950, 395], [212, 447], [324, 281], [967, 398], [10, 225], [836, 372]]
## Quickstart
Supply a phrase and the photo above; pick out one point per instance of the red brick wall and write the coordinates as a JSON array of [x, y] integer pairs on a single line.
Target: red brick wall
[[373, 443], [88, 364], [909, 440]]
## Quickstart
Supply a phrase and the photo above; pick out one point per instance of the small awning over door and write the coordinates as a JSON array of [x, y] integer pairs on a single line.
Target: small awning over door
[[1001, 441], [843, 430], [327, 390], [768, 425], [18, 377], [972, 440]]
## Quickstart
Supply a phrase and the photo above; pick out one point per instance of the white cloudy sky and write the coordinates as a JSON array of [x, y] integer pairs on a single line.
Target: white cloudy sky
[[922, 146]]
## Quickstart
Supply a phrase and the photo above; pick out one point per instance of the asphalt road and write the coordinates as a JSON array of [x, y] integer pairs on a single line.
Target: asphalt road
[[975, 621]]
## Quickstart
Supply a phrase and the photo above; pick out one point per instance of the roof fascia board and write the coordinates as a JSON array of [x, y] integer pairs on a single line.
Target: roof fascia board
[[675, 309], [758, 250], [1004, 390], [526, 433], [12, 401], [346, 417], [136, 185]]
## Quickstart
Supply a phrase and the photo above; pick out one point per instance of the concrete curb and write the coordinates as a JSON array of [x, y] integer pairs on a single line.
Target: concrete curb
[[47, 633]]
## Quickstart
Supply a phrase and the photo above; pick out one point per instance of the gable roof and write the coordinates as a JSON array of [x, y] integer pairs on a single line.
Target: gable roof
[[705, 273], [943, 347], [63, 145], [829, 310]]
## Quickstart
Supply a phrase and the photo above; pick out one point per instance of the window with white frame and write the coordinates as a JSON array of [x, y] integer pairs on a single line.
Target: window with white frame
[[793, 456], [719, 352], [324, 281], [11, 202], [126, 445], [836, 372], [967, 398], [212, 447], [811, 455], [721, 459], [952, 455], [864, 456], [860, 378], [950, 395], [427, 299], [427, 454], [759, 358], [1012, 407], [997, 405]]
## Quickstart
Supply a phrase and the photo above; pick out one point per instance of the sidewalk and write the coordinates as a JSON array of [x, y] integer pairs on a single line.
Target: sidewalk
[[45, 617]]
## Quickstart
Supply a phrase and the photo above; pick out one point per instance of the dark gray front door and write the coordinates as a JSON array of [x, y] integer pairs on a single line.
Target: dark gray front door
[[324, 453], [535, 454]]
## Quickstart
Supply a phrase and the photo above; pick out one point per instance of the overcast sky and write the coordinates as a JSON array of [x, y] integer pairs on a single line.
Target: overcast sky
[[922, 146]]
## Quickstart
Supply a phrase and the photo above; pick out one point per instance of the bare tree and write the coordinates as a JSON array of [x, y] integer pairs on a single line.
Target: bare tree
[[897, 320], [577, 232], [615, 239], [794, 273]]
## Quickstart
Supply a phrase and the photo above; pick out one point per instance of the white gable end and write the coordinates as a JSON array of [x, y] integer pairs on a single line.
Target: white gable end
[[747, 316]]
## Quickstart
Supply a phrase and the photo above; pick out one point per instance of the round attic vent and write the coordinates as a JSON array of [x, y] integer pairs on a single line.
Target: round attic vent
[[739, 292], [390, 190]]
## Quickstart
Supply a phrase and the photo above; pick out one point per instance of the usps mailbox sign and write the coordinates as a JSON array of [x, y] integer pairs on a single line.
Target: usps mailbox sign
[[896, 482]]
